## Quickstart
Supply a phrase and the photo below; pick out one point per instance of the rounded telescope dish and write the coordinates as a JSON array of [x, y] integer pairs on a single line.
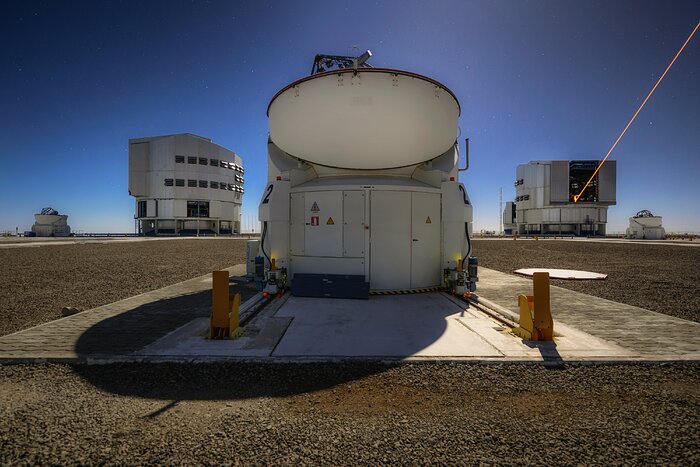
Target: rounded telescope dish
[[369, 118]]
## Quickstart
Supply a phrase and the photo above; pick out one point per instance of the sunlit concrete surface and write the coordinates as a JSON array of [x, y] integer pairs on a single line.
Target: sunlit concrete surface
[[431, 326], [384, 326]]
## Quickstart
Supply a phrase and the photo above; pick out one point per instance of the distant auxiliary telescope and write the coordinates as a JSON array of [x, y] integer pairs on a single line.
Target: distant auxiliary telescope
[[646, 226], [49, 223], [363, 182]]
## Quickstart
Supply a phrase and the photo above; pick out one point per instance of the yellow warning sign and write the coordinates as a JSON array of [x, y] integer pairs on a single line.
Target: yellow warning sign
[[428, 221], [330, 221]]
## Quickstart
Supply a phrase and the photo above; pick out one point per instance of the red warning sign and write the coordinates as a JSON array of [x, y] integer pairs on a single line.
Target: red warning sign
[[314, 220]]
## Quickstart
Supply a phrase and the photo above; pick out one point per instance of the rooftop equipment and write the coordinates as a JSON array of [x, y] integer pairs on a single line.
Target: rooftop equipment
[[363, 181]]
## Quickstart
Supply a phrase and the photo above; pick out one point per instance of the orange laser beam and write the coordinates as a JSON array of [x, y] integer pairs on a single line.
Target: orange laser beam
[[576, 197]]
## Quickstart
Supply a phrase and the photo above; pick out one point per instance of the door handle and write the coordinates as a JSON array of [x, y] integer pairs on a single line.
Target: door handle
[[415, 239]]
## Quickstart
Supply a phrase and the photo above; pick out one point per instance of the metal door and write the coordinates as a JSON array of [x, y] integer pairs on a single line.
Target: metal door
[[425, 251], [323, 233], [390, 240]]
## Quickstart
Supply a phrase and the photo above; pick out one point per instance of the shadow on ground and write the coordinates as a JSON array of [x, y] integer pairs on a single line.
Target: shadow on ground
[[224, 381], [131, 331]]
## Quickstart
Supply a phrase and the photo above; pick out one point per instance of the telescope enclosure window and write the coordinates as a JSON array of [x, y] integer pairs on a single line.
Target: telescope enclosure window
[[197, 208]]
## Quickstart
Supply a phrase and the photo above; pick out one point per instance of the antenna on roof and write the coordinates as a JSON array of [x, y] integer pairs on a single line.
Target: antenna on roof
[[328, 62]]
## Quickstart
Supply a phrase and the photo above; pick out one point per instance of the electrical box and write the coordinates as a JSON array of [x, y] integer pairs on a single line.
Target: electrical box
[[252, 249]]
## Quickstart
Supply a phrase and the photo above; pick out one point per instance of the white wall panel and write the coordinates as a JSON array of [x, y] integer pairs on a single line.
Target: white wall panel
[[323, 213], [354, 223], [297, 224]]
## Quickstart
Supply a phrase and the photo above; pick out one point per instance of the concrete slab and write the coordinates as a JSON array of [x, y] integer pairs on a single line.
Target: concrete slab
[[191, 340], [258, 340], [432, 325], [423, 325], [570, 274]]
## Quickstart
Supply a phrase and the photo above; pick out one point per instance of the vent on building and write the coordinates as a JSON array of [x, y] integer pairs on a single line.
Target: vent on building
[[203, 184], [179, 182], [214, 162], [214, 184], [191, 160], [180, 159], [168, 182], [203, 161], [192, 183]]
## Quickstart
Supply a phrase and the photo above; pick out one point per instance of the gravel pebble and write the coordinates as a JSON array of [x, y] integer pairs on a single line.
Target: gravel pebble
[[349, 413], [37, 283]]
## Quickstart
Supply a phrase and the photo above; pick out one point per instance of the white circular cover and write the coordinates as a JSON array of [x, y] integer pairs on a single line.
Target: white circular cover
[[563, 273], [376, 119]]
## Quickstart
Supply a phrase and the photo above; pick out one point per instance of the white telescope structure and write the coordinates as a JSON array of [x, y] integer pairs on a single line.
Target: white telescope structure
[[363, 180]]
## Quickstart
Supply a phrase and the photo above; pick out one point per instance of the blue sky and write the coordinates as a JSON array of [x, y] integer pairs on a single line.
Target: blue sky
[[536, 80]]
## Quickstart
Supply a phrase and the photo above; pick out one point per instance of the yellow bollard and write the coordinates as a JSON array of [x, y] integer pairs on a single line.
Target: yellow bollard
[[535, 313], [526, 330], [219, 319], [234, 328], [223, 321], [542, 314]]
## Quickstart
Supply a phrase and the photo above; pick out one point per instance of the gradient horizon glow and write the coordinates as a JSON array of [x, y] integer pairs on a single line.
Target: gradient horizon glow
[[536, 80]]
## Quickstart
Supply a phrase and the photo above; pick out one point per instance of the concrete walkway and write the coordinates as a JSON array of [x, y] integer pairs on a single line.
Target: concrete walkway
[[119, 328], [647, 333]]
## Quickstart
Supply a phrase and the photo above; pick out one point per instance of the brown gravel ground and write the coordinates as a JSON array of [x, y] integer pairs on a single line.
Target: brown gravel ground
[[349, 414], [37, 282], [656, 277]]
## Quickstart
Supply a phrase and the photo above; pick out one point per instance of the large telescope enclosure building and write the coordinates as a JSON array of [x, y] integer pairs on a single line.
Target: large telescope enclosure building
[[185, 185], [544, 198]]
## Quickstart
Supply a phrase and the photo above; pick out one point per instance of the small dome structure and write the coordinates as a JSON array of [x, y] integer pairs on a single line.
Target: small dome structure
[[646, 226], [49, 223]]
